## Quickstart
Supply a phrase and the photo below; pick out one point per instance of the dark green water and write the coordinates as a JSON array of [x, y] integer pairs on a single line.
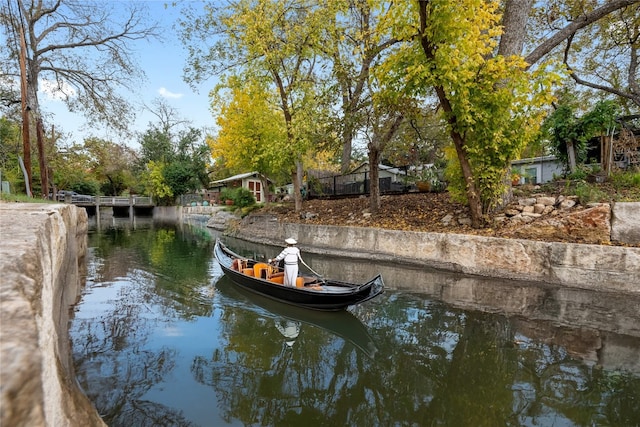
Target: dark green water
[[161, 338]]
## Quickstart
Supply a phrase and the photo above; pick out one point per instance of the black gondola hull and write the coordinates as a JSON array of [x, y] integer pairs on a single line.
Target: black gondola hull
[[332, 295]]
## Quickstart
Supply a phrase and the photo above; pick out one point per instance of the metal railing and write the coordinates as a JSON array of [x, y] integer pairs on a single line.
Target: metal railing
[[125, 201], [111, 200], [350, 185]]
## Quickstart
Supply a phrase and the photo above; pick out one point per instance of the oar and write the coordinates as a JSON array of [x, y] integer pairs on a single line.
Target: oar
[[311, 270]]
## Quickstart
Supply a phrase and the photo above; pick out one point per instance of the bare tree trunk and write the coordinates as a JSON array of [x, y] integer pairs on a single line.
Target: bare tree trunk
[[347, 138], [42, 157], [266, 191], [514, 22], [473, 196], [571, 155], [374, 180], [26, 137], [382, 136], [296, 176]]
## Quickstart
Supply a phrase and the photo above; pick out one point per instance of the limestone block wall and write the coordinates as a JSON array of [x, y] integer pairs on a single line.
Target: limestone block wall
[[594, 267], [42, 268], [625, 223]]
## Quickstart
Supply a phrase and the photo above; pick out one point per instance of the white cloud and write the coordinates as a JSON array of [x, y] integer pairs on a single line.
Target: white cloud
[[56, 91], [164, 92]]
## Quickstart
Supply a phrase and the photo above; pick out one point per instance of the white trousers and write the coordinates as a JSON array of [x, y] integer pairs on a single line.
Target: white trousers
[[290, 274]]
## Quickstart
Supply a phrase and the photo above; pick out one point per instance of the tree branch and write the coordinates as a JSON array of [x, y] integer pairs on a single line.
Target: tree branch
[[582, 21]]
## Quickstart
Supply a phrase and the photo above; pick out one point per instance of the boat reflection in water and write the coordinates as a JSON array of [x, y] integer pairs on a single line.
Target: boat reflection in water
[[290, 320]]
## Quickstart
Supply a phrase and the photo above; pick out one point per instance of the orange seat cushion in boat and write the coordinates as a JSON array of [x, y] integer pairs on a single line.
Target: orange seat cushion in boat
[[279, 279], [257, 269]]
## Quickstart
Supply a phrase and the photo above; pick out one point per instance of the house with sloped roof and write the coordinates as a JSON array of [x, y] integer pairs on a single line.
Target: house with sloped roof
[[249, 180]]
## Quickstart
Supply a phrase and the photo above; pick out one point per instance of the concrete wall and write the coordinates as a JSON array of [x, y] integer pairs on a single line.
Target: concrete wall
[[42, 265], [594, 267]]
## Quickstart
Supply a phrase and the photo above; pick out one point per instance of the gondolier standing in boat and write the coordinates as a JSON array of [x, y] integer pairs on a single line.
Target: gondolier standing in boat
[[290, 255]]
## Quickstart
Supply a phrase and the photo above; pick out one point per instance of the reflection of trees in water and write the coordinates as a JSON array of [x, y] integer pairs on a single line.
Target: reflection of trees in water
[[473, 368], [172, 263], [115, 367], [441, 365], [550, 385], [148, 414], [112, 358], [446, 367]]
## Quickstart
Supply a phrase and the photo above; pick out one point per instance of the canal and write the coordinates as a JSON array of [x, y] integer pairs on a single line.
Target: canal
[[161, 338]]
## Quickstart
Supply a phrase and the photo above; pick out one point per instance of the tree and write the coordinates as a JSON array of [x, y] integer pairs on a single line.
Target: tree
[[568, 134], [383, 129], [420, 139], [173, 156], [274, 42], [9, 152], [252, 135], [110, 164], [156, 184], [354, 42], [80, 51], [488, 102], [490, 94], [603, 57]]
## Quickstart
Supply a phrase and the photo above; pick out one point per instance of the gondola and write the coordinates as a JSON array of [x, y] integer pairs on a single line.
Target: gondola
[[310, 291]]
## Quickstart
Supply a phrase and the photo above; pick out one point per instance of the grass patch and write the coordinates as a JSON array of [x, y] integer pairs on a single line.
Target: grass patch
[[22, 198], [622, 186]]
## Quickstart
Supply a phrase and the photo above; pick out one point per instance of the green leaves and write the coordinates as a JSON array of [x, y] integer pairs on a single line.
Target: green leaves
[[492, 103], [563, 127], [252, 131]]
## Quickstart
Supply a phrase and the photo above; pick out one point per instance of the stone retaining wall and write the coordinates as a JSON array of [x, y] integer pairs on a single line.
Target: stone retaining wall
[[42, 264], [594, 267]]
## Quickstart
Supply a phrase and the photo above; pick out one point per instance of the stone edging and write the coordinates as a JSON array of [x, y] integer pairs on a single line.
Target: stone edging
[[594, 267], [42, 259]]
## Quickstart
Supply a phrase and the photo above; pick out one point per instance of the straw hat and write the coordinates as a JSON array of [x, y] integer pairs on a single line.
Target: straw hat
[[290, 241]]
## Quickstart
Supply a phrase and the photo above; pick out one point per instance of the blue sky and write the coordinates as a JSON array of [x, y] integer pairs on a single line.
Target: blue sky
[[163, 63]]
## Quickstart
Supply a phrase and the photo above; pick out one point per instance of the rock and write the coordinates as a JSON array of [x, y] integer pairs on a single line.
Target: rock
[[547, 210], [625, 224], [538, 208], [511, 212], [221, 220], [531, 214], [308, 215], [42, 265], [546, 201], [588, 226], [498, 219], [464, 221], [526, 219], [529, 201], [446, 220], [567, 204], [528, 209]]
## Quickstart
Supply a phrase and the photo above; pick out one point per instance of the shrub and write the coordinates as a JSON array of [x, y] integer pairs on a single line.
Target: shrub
[[226, 194], [625, 179], [587, 193], [241, 196]]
